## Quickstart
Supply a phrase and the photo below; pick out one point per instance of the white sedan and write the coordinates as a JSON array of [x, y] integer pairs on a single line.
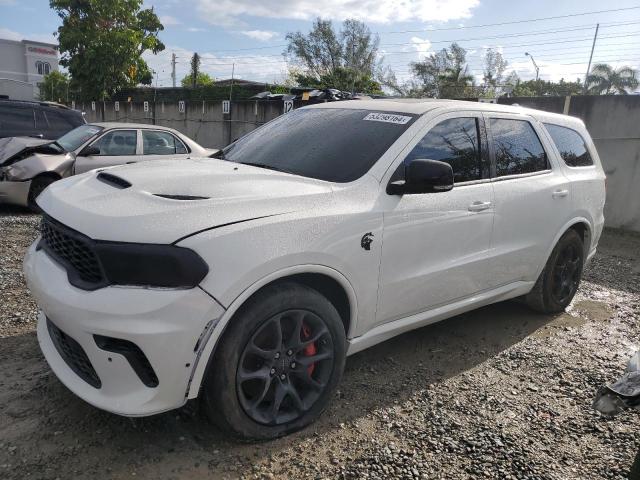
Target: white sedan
[[29, 165]]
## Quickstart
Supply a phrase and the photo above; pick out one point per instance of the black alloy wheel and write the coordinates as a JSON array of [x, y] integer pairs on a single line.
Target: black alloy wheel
[[284, 367], [278, 363], [566, 274]]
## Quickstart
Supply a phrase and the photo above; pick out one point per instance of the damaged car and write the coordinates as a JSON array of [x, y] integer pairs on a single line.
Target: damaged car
[[29, 165], [246, 279]]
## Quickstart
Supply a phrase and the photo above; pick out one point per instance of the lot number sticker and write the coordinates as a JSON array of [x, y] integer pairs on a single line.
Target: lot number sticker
[[226, 106], [181, 106], [146, 106], [93, 106], [387, 118], [116, 106], [288, 106]]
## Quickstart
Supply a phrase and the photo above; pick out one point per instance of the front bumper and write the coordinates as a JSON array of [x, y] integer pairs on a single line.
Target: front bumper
[[15, 193], [165, 324]]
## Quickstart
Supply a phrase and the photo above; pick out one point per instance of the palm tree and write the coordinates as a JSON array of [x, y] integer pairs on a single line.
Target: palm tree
[[605, 80]]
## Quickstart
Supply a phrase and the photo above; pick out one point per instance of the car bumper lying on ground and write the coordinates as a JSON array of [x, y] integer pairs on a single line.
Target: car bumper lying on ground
[[130, 351], [14, 192]]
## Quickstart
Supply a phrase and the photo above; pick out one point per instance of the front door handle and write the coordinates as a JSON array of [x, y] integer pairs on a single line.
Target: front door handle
[[560, 193], [479, 206]]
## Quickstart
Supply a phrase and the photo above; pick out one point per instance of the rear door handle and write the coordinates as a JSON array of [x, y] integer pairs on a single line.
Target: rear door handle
[[479, 206], [560, 193]]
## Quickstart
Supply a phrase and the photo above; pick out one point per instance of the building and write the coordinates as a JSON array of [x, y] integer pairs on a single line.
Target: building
[[23, 65]]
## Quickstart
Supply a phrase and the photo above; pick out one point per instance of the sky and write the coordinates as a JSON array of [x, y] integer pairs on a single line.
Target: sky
[[251, 34]]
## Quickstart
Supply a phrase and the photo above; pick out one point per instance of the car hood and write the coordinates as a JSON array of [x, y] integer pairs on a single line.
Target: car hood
[[13, 149], [164, 201]]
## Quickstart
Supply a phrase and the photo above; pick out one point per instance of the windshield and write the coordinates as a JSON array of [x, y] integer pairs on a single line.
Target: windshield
[[78, 136], [332, 144]]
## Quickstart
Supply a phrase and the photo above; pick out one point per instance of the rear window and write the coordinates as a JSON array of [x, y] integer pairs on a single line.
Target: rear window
[[517, 147], [332, 144], [571, 145]]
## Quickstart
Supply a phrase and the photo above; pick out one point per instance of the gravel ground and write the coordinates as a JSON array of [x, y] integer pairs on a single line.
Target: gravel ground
[[497, 393]]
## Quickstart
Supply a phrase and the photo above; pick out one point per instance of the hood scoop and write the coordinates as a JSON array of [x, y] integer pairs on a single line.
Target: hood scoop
[[113, 180], [180, 197]]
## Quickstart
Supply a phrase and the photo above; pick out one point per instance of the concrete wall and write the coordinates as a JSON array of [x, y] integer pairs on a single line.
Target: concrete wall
[[614, 124], [613, 121], [202, 121]]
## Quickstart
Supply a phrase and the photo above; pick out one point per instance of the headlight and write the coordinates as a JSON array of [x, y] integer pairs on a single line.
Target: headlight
[[93, 264]]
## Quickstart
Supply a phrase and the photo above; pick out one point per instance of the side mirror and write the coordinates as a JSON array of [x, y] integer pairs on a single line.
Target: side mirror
[[88, 151], [423, 176]]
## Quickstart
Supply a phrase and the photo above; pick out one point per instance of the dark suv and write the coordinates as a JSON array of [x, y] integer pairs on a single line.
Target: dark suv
[[36, 119]]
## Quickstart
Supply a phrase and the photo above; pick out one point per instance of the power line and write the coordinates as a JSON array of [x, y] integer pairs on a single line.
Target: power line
[[515, 21]]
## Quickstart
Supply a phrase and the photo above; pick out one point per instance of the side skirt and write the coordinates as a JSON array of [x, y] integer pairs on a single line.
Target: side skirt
[[389, 330]]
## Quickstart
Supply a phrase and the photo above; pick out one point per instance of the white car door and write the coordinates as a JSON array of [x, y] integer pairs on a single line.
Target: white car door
[[435, 245], [532, 198], [159, 144], [115, 147]]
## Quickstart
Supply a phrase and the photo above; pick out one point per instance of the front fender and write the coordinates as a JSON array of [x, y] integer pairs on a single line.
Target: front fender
[[207, 347], [38, 163]]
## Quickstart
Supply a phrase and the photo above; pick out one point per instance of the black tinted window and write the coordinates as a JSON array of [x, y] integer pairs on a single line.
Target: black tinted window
[[17, 119], [517, 147], [570, 145], [333, 144], [455, 141]]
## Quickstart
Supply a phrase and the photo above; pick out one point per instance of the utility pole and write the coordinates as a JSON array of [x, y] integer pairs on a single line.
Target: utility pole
[[593, 47], [233, 71], [173, 69]]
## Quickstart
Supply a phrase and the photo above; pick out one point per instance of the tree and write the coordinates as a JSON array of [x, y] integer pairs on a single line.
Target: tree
[[539, 88], [346, 60], [101, 43], [202, 80], [605, 80], [494, 67], [195, 69], [54, 87], [445, 74]]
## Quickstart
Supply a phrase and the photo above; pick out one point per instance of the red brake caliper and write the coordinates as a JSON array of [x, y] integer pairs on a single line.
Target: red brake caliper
[[310, 349]]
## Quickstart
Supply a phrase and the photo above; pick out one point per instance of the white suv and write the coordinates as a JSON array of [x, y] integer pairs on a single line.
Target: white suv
[[250, 278]]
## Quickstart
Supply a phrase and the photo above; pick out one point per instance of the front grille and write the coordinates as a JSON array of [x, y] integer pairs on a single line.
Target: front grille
[[73, 355], [74, 251]]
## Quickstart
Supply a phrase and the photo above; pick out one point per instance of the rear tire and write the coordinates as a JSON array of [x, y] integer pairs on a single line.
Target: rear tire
[[38, 185], [277, 364], [560, 279]]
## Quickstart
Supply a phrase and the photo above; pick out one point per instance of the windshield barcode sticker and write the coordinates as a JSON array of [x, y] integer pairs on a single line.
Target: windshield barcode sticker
[[387, 118]]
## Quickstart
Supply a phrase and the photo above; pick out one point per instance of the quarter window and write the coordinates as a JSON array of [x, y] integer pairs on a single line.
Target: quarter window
[[456, 142], [117, 143], [161, 143], [571, 146], [517, 147]]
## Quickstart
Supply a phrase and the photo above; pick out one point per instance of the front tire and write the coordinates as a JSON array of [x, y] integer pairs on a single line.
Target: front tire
[[560, 279], [38, 185], [277, 364]]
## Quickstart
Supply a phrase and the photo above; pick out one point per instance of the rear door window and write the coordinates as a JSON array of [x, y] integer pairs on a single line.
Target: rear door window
[[16, 120], [455, 141], [571, 145], [518, 149], [117, 143], [161, 143]]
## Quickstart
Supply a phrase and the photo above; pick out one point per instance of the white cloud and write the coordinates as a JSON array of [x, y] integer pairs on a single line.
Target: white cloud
[[261, 35], [422, 46], [228, 12], [168, 20], [10, 34], [36, 37], [262, 68], [195, 29]]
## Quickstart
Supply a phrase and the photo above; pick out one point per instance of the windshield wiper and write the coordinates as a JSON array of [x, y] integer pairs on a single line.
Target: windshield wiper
[[269, 167]]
